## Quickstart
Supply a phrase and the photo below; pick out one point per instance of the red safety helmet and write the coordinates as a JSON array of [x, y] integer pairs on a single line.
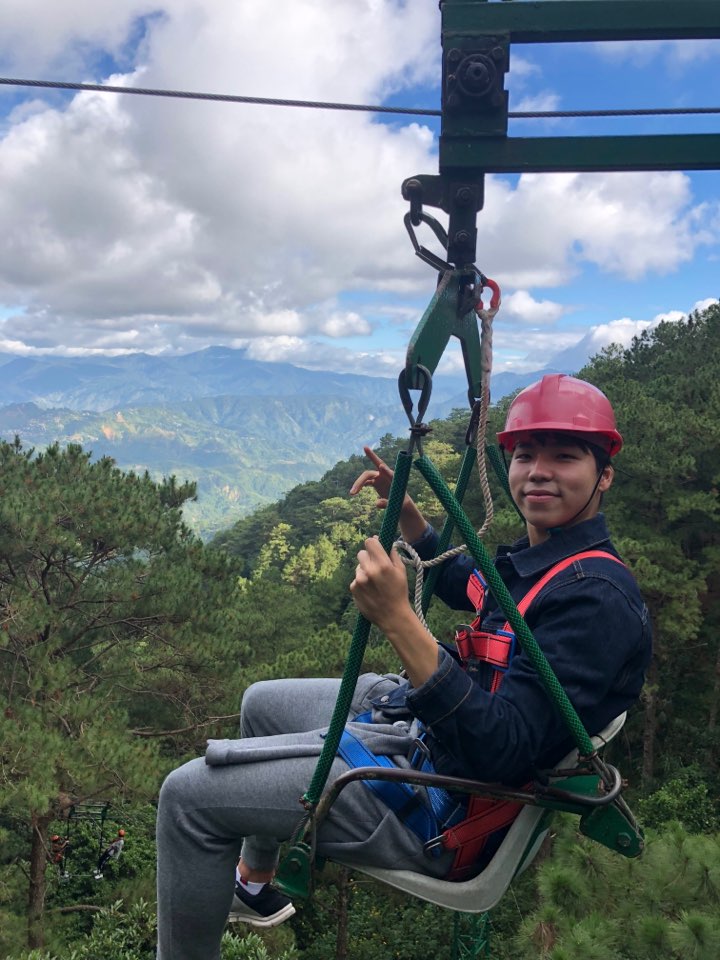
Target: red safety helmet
[[559, 402]]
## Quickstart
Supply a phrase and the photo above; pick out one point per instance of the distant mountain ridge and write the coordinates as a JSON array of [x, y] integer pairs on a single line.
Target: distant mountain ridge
[[140, 379], [246, 431]]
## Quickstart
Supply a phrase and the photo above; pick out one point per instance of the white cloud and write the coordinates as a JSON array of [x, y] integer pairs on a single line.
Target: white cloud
[[37, 35], [521, 69], [345, 324], [704, 304], [321, 356], [541, 101], [156, 224], [532, 350], [623, 331], [522, 307], [620, 331], [628, 224], [236, 219], [674, 53]]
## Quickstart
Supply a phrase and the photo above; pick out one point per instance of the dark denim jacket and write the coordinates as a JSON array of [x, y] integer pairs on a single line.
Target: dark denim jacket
[[593, 627]]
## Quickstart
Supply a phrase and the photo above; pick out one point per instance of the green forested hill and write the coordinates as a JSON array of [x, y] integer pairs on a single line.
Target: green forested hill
[[242, 452], [244, 431], [268, 598]]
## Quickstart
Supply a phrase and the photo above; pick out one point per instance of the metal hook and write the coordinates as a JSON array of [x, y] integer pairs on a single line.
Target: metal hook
[[437, 228], [494, 305], [418, 429]]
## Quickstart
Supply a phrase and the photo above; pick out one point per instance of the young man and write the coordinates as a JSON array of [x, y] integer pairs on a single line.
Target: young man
[[589, 620]]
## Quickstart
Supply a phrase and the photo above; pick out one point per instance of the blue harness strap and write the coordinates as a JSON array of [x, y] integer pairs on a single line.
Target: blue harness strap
[[399, 797]]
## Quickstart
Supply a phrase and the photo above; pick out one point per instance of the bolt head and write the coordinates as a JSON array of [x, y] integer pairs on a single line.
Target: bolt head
[[477, 75]]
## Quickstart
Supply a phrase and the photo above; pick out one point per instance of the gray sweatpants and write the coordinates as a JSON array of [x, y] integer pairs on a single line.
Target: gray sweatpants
[[245, 795]]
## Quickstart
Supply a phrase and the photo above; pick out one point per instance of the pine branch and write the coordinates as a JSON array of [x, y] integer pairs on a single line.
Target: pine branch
[[77, 908], [193, 726]]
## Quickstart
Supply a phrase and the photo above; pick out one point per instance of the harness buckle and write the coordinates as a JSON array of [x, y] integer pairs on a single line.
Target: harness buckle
[[419, 753], [430, 847]]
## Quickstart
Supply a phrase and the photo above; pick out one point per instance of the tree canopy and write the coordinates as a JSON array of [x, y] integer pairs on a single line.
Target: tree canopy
[[115, 625]]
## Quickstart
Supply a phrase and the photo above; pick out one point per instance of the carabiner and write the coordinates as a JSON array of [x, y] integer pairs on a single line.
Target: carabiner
[[437, 228], [421, 374], [494, 305]]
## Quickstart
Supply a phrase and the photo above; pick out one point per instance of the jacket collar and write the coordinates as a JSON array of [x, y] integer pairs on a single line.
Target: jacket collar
[[529, 561]]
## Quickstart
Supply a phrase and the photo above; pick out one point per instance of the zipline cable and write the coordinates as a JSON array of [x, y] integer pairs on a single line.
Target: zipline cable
[[357, 107]]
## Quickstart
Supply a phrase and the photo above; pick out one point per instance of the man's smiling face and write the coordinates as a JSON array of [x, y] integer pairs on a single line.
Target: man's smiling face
[[552, 476]]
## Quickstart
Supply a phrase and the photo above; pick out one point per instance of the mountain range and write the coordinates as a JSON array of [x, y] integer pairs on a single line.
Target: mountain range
[[246, 431]]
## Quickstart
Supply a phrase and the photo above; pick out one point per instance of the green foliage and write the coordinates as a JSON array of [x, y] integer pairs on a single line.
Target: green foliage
[[663, 904], [115, 622], [685, 798], [251, 947], [242, 451], [666, 395], [380, 923], [118, 933]]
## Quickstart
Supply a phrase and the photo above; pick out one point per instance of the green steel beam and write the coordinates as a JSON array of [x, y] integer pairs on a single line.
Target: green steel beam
[[484, 154], [559, 21], [477, 38]]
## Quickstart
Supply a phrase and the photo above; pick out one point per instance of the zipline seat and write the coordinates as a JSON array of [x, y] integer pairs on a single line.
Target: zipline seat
[[516, 852]]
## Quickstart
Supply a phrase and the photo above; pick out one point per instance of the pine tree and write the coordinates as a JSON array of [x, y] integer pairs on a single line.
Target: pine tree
[[115, 622], [666, 507]]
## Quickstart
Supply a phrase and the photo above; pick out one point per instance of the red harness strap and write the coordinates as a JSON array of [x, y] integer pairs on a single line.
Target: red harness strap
[[484, 815]]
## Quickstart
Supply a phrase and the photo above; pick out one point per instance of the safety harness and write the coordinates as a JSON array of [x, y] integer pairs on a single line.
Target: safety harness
[[449, 824]]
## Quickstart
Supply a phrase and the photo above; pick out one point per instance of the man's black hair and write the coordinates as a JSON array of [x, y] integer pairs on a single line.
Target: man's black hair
[[602, 457]]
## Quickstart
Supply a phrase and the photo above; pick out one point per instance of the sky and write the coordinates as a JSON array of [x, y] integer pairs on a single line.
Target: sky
[[132, 223]]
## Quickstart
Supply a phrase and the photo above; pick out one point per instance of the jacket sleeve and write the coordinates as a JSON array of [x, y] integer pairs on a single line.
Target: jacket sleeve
[[451, 584], [593, 638]]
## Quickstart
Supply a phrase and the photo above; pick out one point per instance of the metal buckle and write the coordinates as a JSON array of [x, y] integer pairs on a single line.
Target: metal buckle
[[420, 752], [430, 846]]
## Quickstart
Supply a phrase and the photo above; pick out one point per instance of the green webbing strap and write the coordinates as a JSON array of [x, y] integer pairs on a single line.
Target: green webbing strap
[[390, 521], [507, 605], [464, 475]]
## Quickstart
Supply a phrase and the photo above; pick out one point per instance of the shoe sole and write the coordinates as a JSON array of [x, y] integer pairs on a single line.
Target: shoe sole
[[264, 922]]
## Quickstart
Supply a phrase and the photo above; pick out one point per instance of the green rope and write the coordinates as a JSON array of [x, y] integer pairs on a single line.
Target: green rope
[[391, 519], [466, 467], [507, 605]]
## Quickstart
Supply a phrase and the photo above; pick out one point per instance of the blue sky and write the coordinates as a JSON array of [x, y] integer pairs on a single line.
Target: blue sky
[[167, 226]]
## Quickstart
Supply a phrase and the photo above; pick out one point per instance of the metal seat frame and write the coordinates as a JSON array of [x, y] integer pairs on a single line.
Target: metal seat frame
[[516, 852]]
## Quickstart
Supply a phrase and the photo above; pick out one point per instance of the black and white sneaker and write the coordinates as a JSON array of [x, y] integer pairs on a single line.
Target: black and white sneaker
[[265, 909]]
